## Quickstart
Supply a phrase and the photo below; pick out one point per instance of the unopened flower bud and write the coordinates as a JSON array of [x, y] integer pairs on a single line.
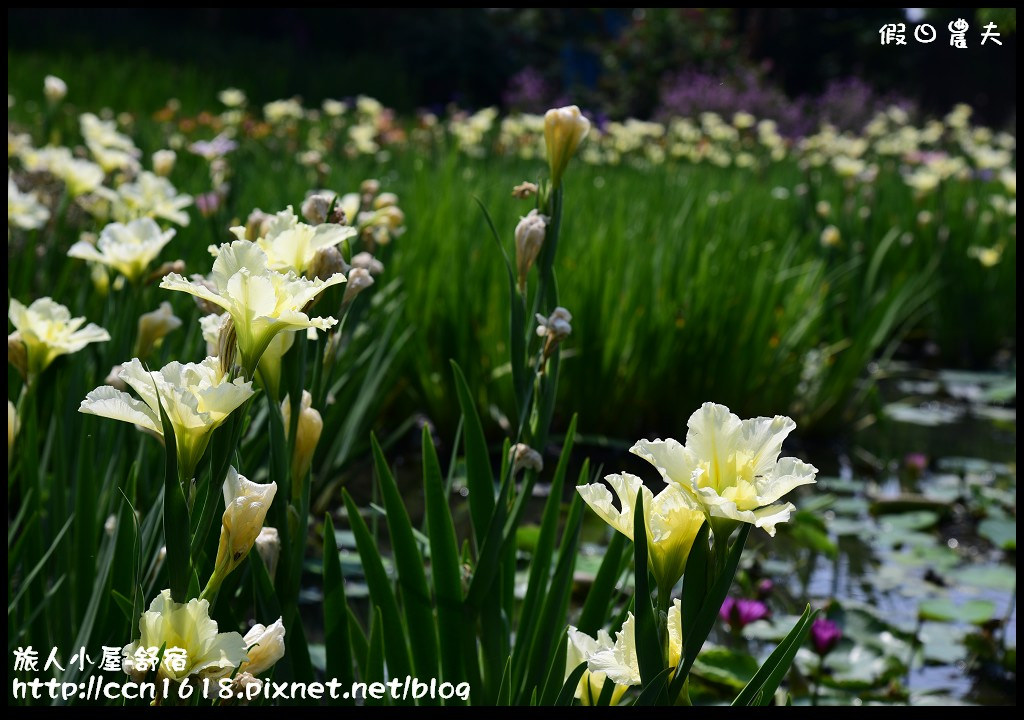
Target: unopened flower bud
[[368, 262], [554, 329], [524, 190], [830, 236], [153, 326], [100, 278], [54, 89], [163, 162], [315, 208], [114, 380], [205, 306], [268, 545], [265, 646], [529, 238], [326, 263], [564, 130], [384, 200], [255, 225], [245, 508], [523, 456], [17, 355], [307, 435], [370, 187], [227, 346], [358, 280], [12, 428], [171, 266]]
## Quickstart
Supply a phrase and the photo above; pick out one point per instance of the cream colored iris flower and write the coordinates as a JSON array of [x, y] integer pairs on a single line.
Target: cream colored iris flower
[[129, 249], [265, 644], [47, 331], [262, 302], [618, 661], [112, 150], [196, 397], [581, 648], [188, 627], [732, 466], [672, 519], [292, 245], [149, 195], [24, 210]]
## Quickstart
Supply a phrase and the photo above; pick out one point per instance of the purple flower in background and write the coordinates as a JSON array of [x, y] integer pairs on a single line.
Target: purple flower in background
[[209, 203], [210, 149], [527, 91], [916, 462], [740, 612], [825, 635], [764, 588]]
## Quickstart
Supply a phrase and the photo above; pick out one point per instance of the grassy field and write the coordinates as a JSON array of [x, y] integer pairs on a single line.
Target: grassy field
[[687, 280]]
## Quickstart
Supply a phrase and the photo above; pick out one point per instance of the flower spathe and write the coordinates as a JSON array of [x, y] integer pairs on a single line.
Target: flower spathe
[[207, 652], [261, 302], [128, 248], [265, 646], [732, 466], [47, 331], [197, 398], [672, 519], [292, 245]]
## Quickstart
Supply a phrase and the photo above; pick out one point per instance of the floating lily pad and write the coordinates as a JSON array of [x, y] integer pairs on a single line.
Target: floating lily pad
[[842, 526], [975, 612], [914, 520], [725, 667], [941, 644], [994, 412], [997, 577], [850, 506], [930, 415], [840, 485], [908, 503], [973, 465], [1001, 532], [938, 557]]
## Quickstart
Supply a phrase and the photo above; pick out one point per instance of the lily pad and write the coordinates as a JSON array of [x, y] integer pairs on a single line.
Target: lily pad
[[930, 415], [725, 667], [1001, 532], [975, 612], [996, 577], [914, 520], [941, 644]]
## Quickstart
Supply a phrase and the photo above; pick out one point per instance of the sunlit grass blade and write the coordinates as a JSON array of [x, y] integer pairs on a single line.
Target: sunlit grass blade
[[445, 570], [393, 629], [416, 601], [761, 688], [337, 640], [648, 648]]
